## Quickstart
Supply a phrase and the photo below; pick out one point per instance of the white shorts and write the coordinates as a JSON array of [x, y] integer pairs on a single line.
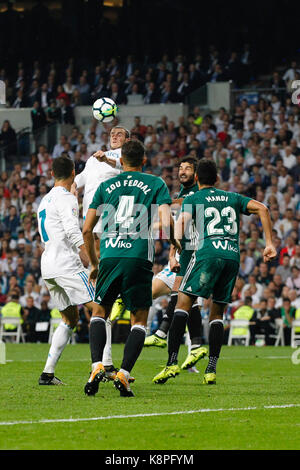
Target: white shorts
[[167, 277], [70, 290]]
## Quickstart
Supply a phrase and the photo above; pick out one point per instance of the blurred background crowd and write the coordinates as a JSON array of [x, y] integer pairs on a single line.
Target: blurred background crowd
[[256, 147]]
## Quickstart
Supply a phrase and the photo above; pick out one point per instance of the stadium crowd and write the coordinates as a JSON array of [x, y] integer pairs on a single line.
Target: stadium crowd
[[167, 80], [257, 150]]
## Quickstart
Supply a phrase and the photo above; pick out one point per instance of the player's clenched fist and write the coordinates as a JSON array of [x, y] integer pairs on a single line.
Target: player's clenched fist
[[93, 275], [100, 155], [269, 253]]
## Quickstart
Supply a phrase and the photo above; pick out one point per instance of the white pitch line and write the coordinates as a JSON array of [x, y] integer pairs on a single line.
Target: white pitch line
[[146, 415]]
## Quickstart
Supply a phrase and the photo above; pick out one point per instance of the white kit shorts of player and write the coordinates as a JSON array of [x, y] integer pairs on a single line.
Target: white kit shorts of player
[[167, 277], [70, 290]]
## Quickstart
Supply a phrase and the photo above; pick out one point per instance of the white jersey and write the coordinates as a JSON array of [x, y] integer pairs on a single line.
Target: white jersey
[[94, 173], [58, 219]]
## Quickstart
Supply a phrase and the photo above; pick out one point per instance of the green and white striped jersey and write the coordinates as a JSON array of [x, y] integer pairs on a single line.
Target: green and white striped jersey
[[127, 207]]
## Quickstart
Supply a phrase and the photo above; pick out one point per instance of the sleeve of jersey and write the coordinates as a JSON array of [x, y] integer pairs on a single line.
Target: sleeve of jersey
[[244, 200], [97, 199], [69, 214], [81, 178], [163, 195], [118, 164]]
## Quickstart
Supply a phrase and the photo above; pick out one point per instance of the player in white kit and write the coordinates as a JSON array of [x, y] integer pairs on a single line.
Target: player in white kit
[[100, 167], [62, 261]]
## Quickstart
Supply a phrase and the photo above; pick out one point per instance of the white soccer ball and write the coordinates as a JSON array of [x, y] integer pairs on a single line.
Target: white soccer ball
[[105, 109]]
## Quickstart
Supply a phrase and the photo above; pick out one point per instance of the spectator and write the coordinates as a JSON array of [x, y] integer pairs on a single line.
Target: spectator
[[38, 119], [8, 139], [30, 292], [30, 318], [53, 113], [12, 308], [284, 269], [79, 163], [289, 248], [246, 264], [117, 95], [151, 95], [66, 111], [12, 221], [287, 313], [245, 312], [263, 322], [293, 281], [59, 147], [43, 316], [93, 145]]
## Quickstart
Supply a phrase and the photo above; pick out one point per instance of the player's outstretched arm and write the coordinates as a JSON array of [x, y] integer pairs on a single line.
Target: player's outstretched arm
[[256, 207]]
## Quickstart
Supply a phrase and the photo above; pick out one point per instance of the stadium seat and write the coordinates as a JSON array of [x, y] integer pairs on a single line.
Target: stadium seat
[[135, 100], [16, 333], [279, 336], [295, 334], [239, 329], [54, 322]]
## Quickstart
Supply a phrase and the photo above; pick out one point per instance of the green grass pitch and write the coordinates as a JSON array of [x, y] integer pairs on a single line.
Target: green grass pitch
[[255, 404]]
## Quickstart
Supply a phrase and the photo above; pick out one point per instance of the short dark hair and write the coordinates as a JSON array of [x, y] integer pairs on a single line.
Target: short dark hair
[[193, 161], [62, 167], [127, 132], [207, 172], [133, 152]]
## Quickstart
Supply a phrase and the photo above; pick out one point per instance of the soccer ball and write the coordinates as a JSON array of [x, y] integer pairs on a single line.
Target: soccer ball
[[105, 109]]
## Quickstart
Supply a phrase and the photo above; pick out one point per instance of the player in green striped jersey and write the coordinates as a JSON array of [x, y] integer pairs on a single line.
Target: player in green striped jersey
[[126, 204], [186, 175], [215, 263]]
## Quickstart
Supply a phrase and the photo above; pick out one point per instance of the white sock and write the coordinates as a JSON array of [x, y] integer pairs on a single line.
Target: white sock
[[95, 364], [107, 356], [60, 339], [126, 373], [161, 334]]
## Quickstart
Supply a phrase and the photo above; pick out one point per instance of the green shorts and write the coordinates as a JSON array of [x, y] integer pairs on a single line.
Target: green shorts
[[208, 277], [129, 277], [184, 259]]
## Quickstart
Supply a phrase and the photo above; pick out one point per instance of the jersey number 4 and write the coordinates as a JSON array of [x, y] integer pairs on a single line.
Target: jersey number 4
[[42, 216], [124, 212]]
